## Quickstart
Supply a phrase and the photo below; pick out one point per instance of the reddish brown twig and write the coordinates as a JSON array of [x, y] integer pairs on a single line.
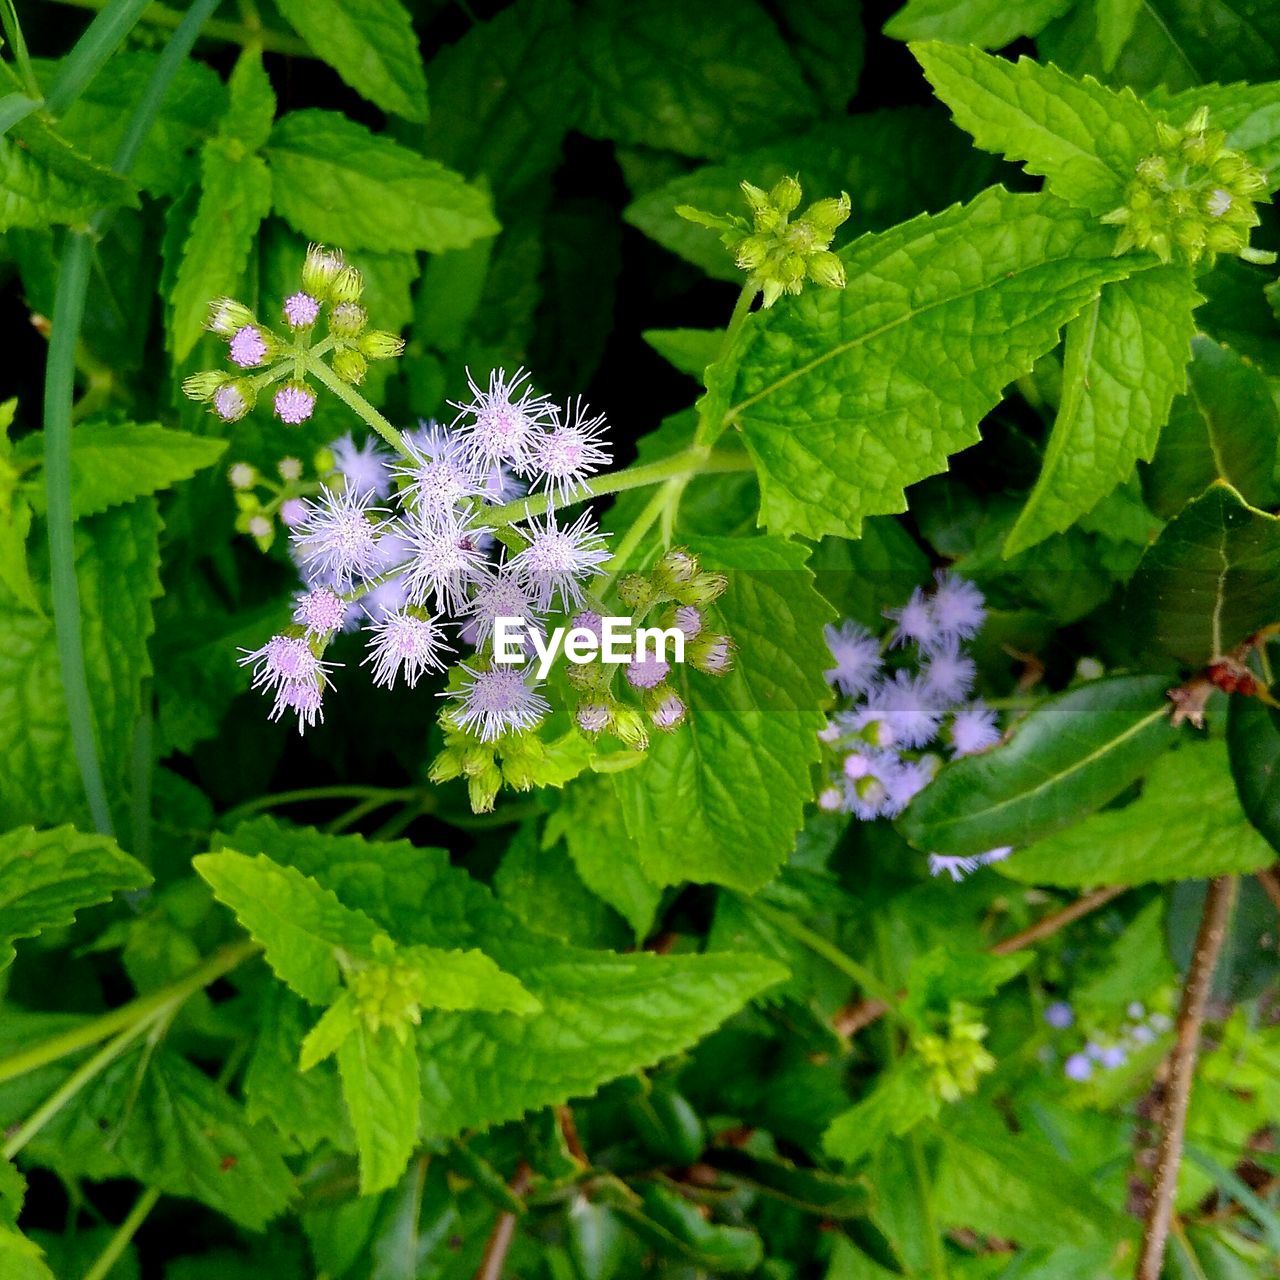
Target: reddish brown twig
[[504, 1231], [853, 1017], [1182, 1065], [1270, 882]]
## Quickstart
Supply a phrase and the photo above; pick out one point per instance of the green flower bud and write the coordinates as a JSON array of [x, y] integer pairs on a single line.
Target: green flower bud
[[247, 501], [770, 292], [242, 475], [827, 270], [751, 252], [483, 788], [227, 317], [636, 591], [350, 365], [324, 462], [446, 766], [348, 320], [1153, 170], [347, 286], [786, 195], [378, 344], [201, 386], [629, 728], [702, 589], [319, 270], [757, 198], [826, 217]]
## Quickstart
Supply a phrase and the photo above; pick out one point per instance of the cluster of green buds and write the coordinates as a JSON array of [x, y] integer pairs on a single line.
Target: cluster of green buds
[[389, 991], [330, 295], [780, 252], [261, 501], [956, 1059], [1191, 199], [673, 597]]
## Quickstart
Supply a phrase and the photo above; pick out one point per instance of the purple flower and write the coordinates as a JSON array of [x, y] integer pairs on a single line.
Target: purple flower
[[1078, 1068], [339, 538], [669, 713], [282, 660], [857, 655], [445, 559], [915, 621], [973, 729], [301, 310], [1059, 1015], [248, 348], [294, 403], [905, 706], [320, 610], [953, 865], [230, 402], [647, 671], [499, 595], [1113, 1056], [570, 451], [1142, 1035], [293, 511], [501, 424], [689, 620], [948, 674], [364, 467], [593, 717], [831, 800], [387, 597], [497, 702], [558, 561], [305, 699], [959, 609], [405, 643], [439, 472]]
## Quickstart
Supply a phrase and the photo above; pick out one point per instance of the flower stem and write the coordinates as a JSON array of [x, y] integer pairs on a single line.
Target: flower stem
[[124, 1233], [355, 402], [143, 1009], [160, 15], [384, 795], [690, 462]]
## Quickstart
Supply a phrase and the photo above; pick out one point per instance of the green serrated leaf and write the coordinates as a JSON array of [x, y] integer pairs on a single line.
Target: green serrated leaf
[[1249, 114], [117, 558], [251, 106], [723, 802], [15, 572], [603, 1014], [1210, 580], [689, 350], [300, 924], [1084, 139], [235, 196], [900, 1100], [1126, 356], [20, 1258], [1070, 756], [989, 24], [1186, 824], [335, 181], [47, 876], [372, 46], [381, 1085], [1253, 739], [1227, 427], [115, 462], [846, 397], [702, 80]]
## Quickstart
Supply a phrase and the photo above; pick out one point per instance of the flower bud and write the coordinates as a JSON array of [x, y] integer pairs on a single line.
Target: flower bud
[[703, 589], [712, 654], [593, 717], [757, 198], [629, 727], [202, 386], [290, 469], [827, 216], [226, 315], [350, 365], [234, 399], [827, 270], [319, 269], [446, 766], [665, 708], [242, 476], [483, 788], [378, 344], [786, 195], [676, 567], [347, 286], [636, 591], [347, 320], [294, 403], [1153, 170], [751, 252], [324, 462]]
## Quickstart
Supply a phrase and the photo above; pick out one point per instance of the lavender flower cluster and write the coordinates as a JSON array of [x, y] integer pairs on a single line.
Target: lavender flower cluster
[[1108, 1053], [406, 541], [886, 741]]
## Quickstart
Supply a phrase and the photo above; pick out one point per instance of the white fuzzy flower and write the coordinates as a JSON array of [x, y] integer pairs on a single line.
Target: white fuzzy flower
[[405, 643], [571, 451], [559, 561], [366, 467], [338, 540], [502, 423], [857, 656], [445, 558], [496, 702]]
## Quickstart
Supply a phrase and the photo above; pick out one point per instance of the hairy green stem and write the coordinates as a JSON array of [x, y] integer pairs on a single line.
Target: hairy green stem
[[123, 1235], [384, 795], [160, 15], [59, 390], [689, 462], [164, 1000], [354, 401], [708, 432]]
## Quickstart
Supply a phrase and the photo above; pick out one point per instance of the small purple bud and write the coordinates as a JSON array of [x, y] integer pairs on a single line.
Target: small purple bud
[[593, 717], [689, 620], [1059, 1015], [1113, 1056], [647, 672], [293, 511], [1142, 1035], [294, 403], [230, 402], [301, 310], [669, 713], [248, 347], [830, 800], [1077, 1067]]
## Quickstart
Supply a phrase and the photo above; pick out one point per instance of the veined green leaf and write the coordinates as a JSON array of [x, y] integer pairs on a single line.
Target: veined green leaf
[[1187, 824], [372, 46], [723, 802], [1248, 113], [900, 1100], [1227, 427], [1253, 739], [989, 24], [335, 181], [846, 397], [1085, 140], [1125, 361], [383, 1092], [1067, 758], [47, 876], [1210, 579]]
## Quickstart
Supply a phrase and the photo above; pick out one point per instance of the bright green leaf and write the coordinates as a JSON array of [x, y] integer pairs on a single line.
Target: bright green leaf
[[380, 1082], [1187, 824], [989, 24], [1126, 356], [900, 1100], [336, 182], [372, 46], [1253, 737], [1070, 756]]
